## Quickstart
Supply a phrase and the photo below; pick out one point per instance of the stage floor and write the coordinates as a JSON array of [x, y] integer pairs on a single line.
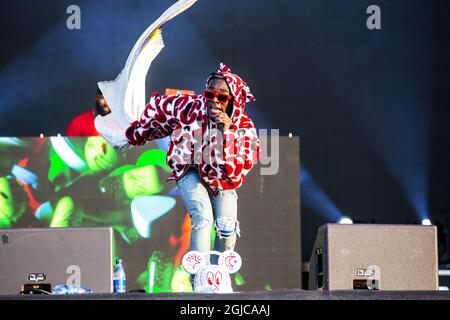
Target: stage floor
[[285, 294]]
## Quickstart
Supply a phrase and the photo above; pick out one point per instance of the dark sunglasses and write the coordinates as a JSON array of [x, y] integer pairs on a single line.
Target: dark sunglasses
[[221, 97]]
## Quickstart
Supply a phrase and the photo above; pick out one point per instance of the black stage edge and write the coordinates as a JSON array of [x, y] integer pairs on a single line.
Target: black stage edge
[[277, 304], [284, 294]]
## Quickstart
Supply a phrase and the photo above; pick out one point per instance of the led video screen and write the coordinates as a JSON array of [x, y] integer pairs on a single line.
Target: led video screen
[[84, 182]]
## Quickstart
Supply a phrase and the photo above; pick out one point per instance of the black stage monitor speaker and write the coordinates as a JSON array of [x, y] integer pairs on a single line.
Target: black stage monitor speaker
[[43, 258], [374, 256]]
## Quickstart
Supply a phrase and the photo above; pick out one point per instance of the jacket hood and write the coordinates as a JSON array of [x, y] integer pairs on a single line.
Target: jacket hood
[[238, 87]]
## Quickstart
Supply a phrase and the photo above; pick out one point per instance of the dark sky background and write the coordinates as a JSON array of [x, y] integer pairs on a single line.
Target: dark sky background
[[371, 107]]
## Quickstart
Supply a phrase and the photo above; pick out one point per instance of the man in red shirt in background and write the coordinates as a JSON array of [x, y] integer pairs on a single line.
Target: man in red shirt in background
[[83, 124]]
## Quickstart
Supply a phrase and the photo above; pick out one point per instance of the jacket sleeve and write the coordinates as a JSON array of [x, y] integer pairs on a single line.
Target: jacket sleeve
[[157, 121], [241, 152]]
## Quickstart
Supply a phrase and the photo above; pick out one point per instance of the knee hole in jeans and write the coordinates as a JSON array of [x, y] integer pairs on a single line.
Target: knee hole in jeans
[[226, 227], [199, 222]]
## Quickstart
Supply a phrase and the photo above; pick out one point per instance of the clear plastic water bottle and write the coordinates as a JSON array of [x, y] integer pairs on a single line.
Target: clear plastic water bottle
[[119, 279], [70, 289]]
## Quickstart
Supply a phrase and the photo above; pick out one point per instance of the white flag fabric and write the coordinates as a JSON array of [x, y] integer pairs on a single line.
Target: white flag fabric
[[126, 94]]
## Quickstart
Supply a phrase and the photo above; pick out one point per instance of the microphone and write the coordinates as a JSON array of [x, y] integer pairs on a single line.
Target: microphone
[[220, 126]]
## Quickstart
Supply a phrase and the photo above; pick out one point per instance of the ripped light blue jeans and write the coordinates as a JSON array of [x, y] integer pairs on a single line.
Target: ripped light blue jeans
[[206, 211]]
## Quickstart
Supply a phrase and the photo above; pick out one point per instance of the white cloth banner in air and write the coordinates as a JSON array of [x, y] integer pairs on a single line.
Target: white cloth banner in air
[[126, 94]]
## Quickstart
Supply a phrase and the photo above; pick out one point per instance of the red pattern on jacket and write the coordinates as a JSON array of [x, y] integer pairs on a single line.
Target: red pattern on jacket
[[196, 139]]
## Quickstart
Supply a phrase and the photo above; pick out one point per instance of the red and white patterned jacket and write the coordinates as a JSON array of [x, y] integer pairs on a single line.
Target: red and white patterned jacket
[[194, 139]]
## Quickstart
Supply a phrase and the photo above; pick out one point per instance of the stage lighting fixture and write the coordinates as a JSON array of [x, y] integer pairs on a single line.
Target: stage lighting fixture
[[345, 220], [426, 222]]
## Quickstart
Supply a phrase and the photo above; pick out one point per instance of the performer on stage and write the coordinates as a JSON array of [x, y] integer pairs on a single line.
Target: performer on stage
[[213, 146], [83, 124]]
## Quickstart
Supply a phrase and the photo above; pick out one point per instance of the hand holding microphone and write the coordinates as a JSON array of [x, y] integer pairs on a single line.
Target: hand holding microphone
[[223, 121]]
